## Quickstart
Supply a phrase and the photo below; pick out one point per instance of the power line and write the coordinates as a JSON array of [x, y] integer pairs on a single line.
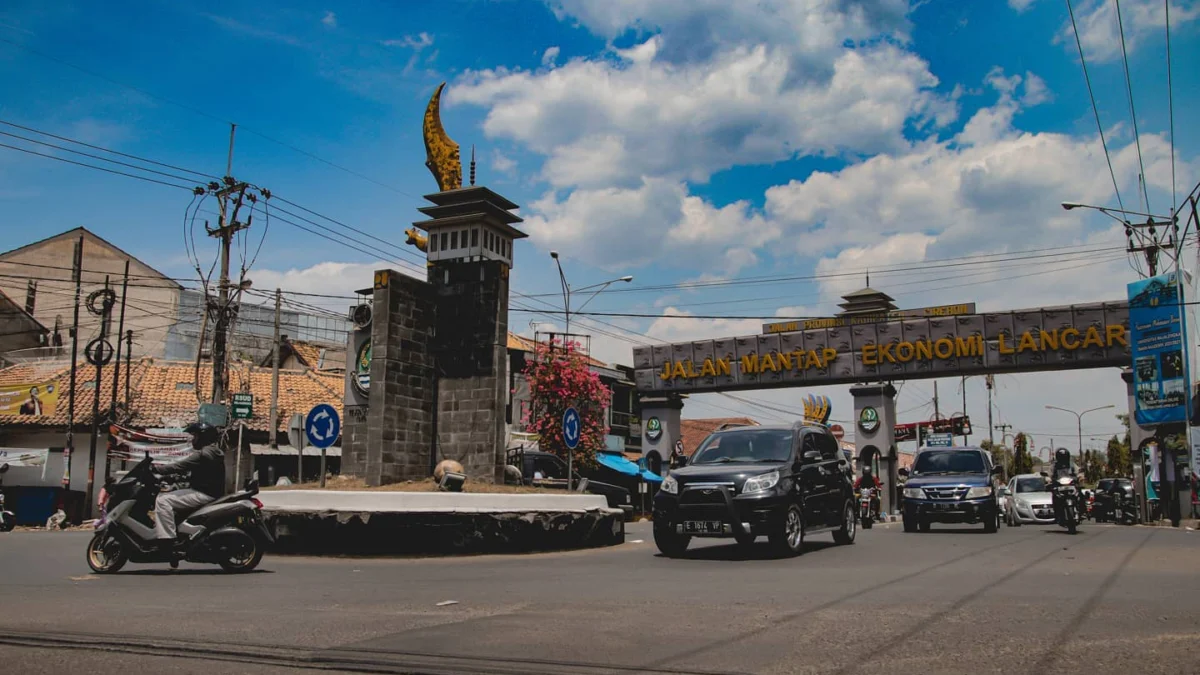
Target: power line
[[1170, 106], [98, 168], [115, 152], [1132, 113], [1095, 110], [202, 113]]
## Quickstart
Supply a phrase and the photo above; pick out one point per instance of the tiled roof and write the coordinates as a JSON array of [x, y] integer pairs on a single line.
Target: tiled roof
[[695, 431], [308, 354], [163, 393]]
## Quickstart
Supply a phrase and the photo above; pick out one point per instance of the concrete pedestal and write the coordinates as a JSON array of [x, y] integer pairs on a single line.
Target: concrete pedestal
[[875, 436]]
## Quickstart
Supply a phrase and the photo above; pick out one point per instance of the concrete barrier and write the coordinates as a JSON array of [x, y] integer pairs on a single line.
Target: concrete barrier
[[392, 523]]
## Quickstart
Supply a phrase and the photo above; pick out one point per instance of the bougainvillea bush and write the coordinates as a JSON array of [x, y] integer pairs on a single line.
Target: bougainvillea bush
[[559, 377]]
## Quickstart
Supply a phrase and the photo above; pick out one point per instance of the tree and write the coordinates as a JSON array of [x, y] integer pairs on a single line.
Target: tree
[[1022, 460], [559, 377], [1001, 456], [1118, 460], [1093, 469]]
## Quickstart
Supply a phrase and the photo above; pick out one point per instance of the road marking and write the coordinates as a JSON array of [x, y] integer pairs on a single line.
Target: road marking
[[87, 577]]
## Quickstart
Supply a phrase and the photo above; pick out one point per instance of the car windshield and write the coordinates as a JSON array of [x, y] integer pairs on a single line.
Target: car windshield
[[1031, 485], [760, 445], [949, 461]]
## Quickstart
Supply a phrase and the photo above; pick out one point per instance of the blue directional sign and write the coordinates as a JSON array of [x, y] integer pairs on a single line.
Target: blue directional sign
[[322, 425], [572, 428]]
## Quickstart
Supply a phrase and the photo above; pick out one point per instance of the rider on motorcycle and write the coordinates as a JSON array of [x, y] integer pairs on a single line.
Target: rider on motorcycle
[[206, 475], [869, 480], [1062, 469]]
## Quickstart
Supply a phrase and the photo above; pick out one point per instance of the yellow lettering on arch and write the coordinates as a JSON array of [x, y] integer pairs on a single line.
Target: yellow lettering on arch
[[765, 363], [666, 371], [723, 366], [679, 370], [1049, 339], [1092, 339], [1070, 339], [1116, 333], [750, 364], [943, 348], [707, 369], [924, 350], [1027, 343]]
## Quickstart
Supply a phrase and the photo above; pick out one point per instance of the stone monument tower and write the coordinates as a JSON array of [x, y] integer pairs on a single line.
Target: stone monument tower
[[438, 383]]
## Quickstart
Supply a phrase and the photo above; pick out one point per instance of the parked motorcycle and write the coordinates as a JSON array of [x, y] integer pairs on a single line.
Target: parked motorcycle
[[866, 513], [8, 520], [1066, 495], [1125, 510], [229, 531]]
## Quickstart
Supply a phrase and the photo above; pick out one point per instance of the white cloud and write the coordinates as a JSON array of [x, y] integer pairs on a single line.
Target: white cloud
[[503, 164], [1099, 30], [416, 42], [1021, 5], [326, 278], [609, 122], [550, 56], [330, 20], [668, 225]]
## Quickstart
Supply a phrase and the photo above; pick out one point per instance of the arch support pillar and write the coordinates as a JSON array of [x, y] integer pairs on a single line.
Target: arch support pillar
[[875, 426]]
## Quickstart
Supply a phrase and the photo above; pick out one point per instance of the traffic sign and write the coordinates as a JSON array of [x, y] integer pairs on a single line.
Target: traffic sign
[[243, 406], [939, 441], [322, 425], [572, 428], [837, 431]]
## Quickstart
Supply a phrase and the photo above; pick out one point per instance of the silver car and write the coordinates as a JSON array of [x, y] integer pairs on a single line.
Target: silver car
[[1029, 501]]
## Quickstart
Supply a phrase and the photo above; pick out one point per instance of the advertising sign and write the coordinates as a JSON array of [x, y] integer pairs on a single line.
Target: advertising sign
[[23, 456], [939, 441], [34, 398], [243, 406], [1156, 345]]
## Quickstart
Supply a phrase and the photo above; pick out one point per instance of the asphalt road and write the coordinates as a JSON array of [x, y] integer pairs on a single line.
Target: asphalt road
[[1026, 600]]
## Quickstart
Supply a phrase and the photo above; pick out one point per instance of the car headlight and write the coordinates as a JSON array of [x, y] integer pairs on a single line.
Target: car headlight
[[914, 493], [1064, 481], [670, 485], [979, 492], [760, 483]]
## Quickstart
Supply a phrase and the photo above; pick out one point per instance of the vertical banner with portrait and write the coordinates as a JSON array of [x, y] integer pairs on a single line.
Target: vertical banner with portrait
[[34, 398], [1157, 345]]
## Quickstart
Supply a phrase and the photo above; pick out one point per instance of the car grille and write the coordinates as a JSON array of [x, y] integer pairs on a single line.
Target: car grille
[[949, 493], [707, 493]]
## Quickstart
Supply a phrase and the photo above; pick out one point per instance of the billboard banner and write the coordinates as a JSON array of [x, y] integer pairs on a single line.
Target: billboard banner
[[1156, 346], [32, 398], [24, 456]]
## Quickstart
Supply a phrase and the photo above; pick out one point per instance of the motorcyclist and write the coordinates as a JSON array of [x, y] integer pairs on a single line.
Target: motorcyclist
[[205, 469], [868, 479], [1062, 469]]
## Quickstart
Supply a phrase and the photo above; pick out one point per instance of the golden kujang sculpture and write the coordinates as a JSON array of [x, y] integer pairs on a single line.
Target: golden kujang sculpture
[[441, 153], [415, 238]]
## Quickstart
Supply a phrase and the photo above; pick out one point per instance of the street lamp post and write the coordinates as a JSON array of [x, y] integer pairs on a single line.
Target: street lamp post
[[1079, 421], [566, 289], [1150, 242]]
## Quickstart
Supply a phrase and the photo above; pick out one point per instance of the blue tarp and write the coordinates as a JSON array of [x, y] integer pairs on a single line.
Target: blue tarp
[[619, 463]]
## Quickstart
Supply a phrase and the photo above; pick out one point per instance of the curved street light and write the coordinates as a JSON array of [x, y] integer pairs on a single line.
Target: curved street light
[[1079, 420]]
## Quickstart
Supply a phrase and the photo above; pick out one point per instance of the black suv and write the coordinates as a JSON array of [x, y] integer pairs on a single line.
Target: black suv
[[951, 485], [782, 482]]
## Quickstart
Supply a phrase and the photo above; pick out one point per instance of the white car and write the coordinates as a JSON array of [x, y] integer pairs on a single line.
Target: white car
[[1029, 501]]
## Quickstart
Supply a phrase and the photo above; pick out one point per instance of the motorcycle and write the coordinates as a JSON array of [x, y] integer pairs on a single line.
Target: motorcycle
[[229, 531], [866, 513], [1125, 510], [1066, 495], [8, 520]]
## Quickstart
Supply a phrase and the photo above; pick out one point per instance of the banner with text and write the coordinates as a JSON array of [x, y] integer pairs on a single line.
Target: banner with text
[[33, 398], [1156, 345]]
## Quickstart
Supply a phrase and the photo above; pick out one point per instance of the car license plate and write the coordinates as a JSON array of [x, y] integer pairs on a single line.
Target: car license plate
[[702, 527]]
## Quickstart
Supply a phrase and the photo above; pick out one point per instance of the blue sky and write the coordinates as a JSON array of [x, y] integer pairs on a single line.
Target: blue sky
[[672, 140]]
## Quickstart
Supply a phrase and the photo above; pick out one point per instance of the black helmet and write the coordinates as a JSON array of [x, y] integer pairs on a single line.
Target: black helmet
[[1062, 457], [866, 472], [203, 434]]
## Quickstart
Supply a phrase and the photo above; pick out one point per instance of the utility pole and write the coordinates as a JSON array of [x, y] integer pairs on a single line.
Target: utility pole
[[77, 275], [936, 411], [112, 410], [96, 353], [275, 375], [128, 353], [964, 397], [227, 226], [990, 382]]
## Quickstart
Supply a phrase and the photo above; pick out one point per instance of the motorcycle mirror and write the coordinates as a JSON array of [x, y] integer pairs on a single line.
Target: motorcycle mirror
[[1045, 475], [903, 472], [4, 468]]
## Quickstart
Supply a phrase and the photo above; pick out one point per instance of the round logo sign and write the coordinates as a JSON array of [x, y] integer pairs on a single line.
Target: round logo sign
[[362, 368], [868, 419], [653, 429]]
